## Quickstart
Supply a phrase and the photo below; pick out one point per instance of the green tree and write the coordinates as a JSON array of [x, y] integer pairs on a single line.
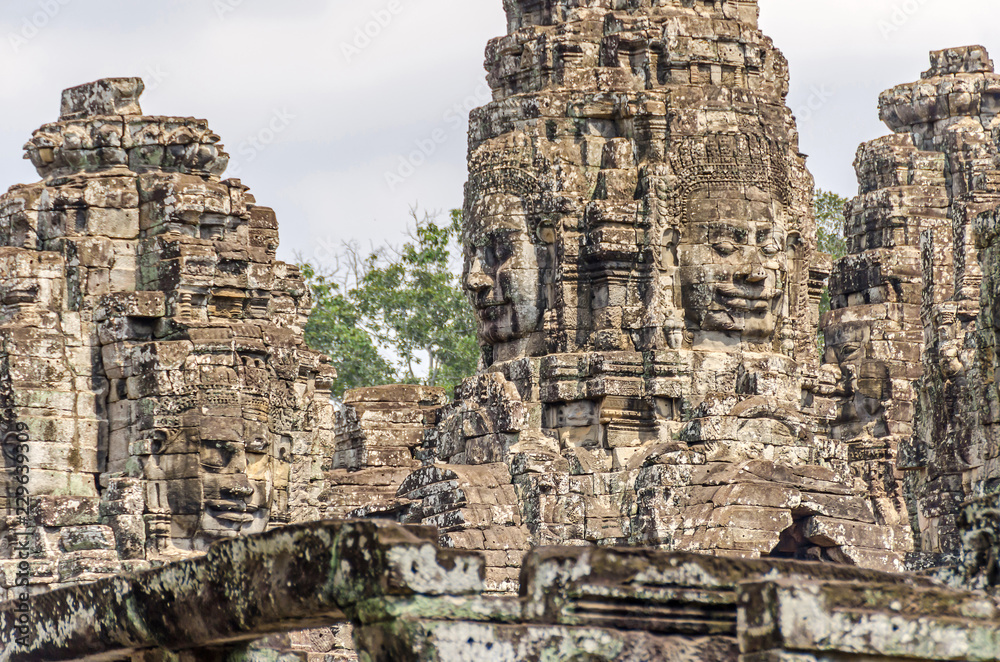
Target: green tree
[[830, 226], [830, 223], [417, 308], [407, 302], [335, 328]]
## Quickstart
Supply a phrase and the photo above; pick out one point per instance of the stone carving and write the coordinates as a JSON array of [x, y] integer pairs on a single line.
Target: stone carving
[[979, 567], [152, 345], [641, 255], [410, 600], [731, 255], [506, 258], [907, 299]]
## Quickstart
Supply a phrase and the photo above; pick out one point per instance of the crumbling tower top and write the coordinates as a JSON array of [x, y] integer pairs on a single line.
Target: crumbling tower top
[[963, 60], [108, 96], [101, 127], [526, 13]]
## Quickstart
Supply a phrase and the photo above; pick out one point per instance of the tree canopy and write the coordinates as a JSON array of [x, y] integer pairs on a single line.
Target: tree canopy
[[396, 315], [830, 238]]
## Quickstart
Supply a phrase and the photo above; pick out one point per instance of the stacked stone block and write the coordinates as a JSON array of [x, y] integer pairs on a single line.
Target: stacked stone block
[[874, 333], [950, 115], [151, 349], [377, 436], [641, 255], [411, 600]]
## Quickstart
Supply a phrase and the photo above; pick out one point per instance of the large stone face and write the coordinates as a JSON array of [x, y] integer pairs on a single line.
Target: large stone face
[[640, 254], [151, 346]]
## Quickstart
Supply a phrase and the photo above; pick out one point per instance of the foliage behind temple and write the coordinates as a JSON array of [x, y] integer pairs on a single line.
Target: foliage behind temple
[[407, 304]]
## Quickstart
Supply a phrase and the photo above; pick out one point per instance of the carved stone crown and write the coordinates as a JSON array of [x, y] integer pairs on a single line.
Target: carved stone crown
[[731, 160], [502, 166]]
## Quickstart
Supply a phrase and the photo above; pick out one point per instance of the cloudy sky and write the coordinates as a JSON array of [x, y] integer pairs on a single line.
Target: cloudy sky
[[341, 132]]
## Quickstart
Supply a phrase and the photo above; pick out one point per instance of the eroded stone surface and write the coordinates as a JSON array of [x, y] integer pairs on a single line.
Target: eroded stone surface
[[151, 347], [641, 256], [300, 576], [906, 330]]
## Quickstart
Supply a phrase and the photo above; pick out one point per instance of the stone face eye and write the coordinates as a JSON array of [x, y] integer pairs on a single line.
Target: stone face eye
[[503, 252], [724, 247], [849, 351], [490, 257], [769, 249]]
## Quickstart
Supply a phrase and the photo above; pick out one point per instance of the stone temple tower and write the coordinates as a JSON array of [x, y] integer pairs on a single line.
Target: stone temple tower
[[151, 353], [641, 255]]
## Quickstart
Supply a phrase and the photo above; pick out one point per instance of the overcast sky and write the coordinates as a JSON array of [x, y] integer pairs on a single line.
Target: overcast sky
[[323, 125]]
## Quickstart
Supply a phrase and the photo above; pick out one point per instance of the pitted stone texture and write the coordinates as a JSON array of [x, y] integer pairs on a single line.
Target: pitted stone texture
[[950, 117], [967, 60], [303, 576], [641, 255], [910, 340], [150, 348], [408, 599], [102, 98], [630, 605]]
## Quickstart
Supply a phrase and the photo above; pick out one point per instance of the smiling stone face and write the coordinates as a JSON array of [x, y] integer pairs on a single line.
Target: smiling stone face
[[865, 382], [732, 263], [501, 270]]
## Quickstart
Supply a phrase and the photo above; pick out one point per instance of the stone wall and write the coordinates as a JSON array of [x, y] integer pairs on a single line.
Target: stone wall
[[904, 326], [151, 352], [377, 437], [411, 601]]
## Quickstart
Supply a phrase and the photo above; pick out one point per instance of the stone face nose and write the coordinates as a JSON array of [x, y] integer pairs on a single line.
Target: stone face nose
[[107, 96]]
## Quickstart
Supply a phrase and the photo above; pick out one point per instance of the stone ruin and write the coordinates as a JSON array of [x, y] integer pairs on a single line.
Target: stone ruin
[[653, 461], [641, 254], [152, 345]]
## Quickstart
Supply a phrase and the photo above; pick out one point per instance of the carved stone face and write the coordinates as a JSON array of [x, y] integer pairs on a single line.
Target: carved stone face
[[732, 264], [502, 271], [227, 491], [865, 381], [230, 487]]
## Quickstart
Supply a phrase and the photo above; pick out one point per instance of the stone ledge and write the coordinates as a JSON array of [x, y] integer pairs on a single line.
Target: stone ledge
[[299, 577]]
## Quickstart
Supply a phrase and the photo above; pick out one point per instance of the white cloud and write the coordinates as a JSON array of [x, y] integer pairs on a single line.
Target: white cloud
[[846, 48]]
